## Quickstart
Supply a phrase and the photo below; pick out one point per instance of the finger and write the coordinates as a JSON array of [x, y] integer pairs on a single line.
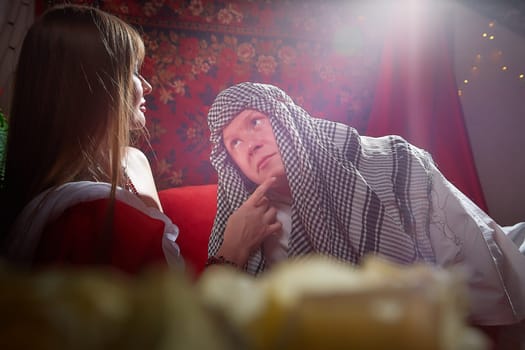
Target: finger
[[263, 202], [274, 229], [270, 215], [260, 191]]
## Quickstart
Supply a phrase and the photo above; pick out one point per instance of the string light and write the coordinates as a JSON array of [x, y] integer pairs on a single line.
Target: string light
[[496, 57]]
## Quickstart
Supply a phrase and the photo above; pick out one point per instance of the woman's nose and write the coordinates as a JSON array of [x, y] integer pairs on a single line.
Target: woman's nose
[[146, 86]]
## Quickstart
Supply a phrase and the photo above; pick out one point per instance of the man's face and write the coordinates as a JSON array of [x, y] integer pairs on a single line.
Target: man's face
[[250, 142]]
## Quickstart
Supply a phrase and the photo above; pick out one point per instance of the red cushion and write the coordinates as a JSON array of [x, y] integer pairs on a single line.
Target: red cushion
[[192, 209]]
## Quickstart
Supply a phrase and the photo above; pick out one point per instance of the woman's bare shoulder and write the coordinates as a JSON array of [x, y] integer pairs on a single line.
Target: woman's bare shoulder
[[136, 155]]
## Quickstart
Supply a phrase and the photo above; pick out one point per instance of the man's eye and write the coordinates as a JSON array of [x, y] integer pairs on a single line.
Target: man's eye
[[256, 122], [235, 143]]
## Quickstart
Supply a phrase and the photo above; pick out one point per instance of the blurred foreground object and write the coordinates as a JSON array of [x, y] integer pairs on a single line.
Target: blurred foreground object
[[318, 303], [102, 309], [309, 303]]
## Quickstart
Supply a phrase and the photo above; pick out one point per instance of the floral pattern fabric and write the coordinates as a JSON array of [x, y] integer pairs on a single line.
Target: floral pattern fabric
[[325, 55]]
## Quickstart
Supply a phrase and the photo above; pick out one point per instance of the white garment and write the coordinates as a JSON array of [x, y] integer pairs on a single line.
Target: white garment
[[49, 205], [275, 247], [462, 234], [517, 234]]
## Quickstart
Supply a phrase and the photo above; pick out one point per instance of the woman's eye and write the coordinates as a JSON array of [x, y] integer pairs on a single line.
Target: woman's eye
[[235, 143], [256, 122]]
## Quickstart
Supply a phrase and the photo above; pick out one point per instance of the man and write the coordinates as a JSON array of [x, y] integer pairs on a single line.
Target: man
[[291, 185]]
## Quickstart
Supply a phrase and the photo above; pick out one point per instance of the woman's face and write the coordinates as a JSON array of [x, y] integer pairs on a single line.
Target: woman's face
[[141, 88]]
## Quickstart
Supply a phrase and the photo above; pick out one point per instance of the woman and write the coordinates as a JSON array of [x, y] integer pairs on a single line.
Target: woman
[[74, 191], [291, 185]]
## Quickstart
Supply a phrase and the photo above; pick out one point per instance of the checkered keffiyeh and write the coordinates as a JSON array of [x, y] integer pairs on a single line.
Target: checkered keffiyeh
[[352, 195]]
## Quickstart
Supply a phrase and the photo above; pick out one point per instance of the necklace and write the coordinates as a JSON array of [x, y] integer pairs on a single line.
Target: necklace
[[129, 184]]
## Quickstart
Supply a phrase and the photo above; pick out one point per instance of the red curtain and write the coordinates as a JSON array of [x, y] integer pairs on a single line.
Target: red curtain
[[416, 94]]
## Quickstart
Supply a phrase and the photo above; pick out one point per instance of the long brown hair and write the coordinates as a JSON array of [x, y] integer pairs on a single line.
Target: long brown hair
[[71, 108]]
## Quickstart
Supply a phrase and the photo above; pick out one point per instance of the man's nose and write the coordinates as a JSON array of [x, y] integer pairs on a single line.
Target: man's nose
[[253, 147]]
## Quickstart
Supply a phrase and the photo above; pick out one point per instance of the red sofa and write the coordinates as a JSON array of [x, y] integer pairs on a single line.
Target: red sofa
[[192, 209]]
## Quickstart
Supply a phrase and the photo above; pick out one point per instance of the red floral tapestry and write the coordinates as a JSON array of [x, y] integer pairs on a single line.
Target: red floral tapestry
[[325, 54]]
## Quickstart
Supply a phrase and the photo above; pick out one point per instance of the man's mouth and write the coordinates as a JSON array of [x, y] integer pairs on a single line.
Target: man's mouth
[[263, 161]]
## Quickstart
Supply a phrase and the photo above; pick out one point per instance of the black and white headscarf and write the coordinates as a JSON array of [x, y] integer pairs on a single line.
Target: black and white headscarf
[[352, 195]]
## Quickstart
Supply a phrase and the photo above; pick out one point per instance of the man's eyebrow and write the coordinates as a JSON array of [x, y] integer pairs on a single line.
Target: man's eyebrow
[[244, 118], [249, 114]]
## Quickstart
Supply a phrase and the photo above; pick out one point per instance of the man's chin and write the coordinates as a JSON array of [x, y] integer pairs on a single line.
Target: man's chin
[[281, 183]]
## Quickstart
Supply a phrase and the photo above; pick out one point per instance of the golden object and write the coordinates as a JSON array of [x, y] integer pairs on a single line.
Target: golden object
[[318, 303], [102, 309]]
